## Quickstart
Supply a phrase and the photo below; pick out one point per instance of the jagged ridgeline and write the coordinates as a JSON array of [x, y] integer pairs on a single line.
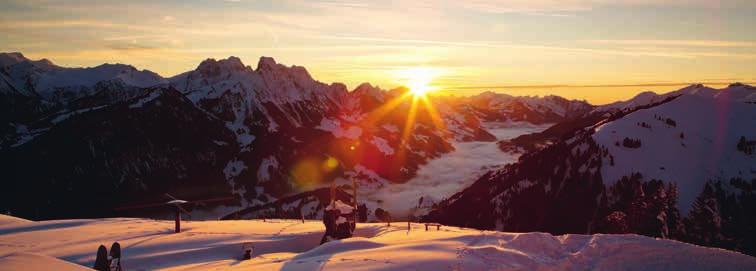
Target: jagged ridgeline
[[79, 142], [668, 166]]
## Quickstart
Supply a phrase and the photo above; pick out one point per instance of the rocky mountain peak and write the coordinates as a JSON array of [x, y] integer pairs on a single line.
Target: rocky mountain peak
[[7, 59], [267, 66], [266, 62], [211, 67], [367, 88]]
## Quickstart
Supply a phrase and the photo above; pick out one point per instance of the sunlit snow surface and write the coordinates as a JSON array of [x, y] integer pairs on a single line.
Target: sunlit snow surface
[[448, 174], [701, 146], [293, 245]]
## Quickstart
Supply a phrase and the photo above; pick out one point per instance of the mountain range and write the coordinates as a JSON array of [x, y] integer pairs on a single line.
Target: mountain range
[[82, 142], [113, 132]]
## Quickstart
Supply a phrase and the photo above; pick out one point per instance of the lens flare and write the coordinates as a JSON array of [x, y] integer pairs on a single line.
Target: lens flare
[[330, 164], [307, 173]]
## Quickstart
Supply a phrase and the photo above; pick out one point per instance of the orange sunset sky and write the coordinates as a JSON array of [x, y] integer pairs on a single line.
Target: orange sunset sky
[[596, 50]]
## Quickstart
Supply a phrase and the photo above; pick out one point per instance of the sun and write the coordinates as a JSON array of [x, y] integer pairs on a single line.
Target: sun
[[418, 80], [419, 89]]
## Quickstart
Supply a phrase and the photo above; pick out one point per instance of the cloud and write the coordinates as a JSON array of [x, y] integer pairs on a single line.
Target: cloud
[[441, 178], [31, 24], [533, 7], [685, 43], [130, 47], [561, 7], [633, 52], [342, 3]]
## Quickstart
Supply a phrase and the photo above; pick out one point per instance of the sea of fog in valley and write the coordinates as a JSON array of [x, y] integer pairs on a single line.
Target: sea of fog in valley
[[444, 176]]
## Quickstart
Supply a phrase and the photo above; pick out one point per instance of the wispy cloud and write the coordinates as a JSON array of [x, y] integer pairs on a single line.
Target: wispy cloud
[[624, 52], [530, 7], [686, 43], [560, 7], [47, 24], [130, 47], [341, 3]]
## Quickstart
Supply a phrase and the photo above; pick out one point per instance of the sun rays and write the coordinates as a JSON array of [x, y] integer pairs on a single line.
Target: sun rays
[[419, 83], [409, 109]]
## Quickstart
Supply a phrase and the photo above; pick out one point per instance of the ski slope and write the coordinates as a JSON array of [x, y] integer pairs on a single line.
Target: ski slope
[[293, 245]]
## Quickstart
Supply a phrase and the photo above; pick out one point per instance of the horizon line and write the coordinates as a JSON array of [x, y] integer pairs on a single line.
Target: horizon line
[[600, 85]]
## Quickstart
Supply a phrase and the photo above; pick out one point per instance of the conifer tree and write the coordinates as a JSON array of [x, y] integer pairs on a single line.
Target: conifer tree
[[674, 220], [704, 223]]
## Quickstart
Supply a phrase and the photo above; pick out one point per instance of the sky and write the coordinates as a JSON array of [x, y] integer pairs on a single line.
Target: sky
[[598, 50]]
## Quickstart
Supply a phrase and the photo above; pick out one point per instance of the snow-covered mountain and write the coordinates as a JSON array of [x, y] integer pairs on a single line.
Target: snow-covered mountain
[[689, 140], [736, 92], [680, 167], [293, 245], [286, 96], [57, 84], [31, 90], [493, 106], [223, 128]]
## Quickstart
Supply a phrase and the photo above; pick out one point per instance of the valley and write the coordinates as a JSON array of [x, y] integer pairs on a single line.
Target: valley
[[448, 174]]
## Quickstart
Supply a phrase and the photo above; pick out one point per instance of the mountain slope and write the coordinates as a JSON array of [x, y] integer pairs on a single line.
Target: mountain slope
[[623, 172], [681, 145], [94, 160]]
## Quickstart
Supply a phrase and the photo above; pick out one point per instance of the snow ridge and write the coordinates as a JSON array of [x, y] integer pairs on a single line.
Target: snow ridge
[[291, 244]]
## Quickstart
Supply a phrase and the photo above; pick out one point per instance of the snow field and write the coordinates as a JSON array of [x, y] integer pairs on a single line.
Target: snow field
[[706, 150], [293, 245]]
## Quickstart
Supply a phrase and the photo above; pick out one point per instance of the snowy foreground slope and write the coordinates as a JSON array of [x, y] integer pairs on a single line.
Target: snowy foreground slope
[[292, 245]]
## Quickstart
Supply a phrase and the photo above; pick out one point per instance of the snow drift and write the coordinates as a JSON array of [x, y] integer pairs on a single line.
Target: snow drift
[[293, 245]]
